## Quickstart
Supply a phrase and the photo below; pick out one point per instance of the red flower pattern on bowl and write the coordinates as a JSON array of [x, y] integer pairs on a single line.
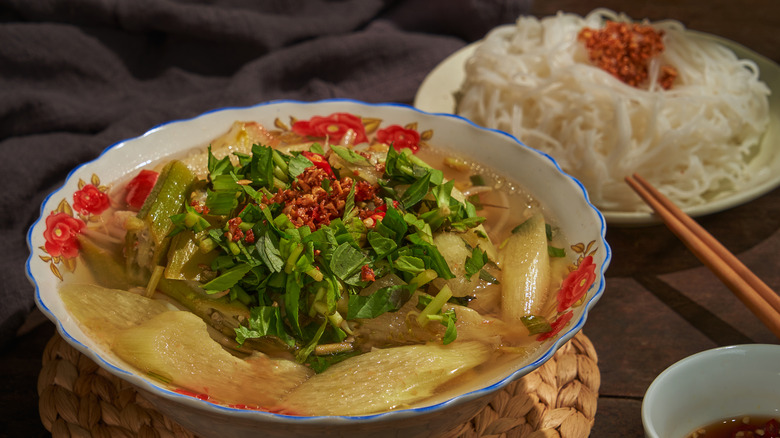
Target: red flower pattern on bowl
[[399, 137], [61, 235], [556, 326], [90, 200], [576, 284], [334, 127]]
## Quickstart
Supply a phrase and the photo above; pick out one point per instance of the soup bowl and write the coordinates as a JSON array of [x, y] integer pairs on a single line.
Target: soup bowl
[[562, 198]]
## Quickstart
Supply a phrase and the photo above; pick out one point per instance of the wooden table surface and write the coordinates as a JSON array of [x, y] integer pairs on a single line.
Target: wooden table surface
[[660, 304]]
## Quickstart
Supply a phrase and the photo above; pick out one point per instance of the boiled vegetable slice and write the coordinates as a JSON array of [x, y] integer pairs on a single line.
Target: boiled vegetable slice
[[525, 266], [105, 311], [107, 267], [455, 251], [176, 347], [478, 237], [384, 379]]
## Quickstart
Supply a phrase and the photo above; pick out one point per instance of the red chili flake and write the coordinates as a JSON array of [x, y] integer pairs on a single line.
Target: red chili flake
[[234, 230], [399, 137], [372, 220], [366, 273], [625, 49], [200, 207], [364, 191], [319, 161], [139, 187], [250, 236], [383, 207]]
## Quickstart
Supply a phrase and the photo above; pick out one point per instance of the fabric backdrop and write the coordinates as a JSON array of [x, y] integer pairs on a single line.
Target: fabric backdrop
[[79, 75]]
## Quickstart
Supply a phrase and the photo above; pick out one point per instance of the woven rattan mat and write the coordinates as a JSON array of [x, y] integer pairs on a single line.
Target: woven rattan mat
[[80, 399]]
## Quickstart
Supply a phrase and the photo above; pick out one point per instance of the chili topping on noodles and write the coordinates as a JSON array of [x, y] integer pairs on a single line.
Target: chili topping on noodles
[[625, 49]]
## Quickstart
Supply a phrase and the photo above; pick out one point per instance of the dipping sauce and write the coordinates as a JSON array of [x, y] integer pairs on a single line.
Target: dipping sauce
[[744, 426]]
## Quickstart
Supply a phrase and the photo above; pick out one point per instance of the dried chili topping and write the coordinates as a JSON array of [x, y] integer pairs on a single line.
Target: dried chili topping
[[366, 273], [307, 203], [625, 49], [234, 229], [199, 207]]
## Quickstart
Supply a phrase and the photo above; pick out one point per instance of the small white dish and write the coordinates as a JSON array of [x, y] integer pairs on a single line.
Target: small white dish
[[726, 382], [437, 94]]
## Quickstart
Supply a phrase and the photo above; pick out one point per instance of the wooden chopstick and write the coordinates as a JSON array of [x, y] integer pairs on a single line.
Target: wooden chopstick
[[751, 290]]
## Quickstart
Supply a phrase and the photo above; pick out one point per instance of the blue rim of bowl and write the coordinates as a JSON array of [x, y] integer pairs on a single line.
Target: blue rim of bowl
[[388, 415]]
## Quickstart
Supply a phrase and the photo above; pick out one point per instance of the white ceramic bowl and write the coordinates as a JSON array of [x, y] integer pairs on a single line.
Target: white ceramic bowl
[[562, 196], [726, 382]]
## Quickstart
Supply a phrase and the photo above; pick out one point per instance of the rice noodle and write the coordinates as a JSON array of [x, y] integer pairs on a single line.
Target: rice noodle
[[693, 141]]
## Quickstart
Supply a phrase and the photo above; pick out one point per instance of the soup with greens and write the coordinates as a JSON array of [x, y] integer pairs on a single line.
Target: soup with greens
[[315, 270]]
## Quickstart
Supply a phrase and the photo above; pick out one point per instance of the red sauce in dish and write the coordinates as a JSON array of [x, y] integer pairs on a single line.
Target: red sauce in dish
[[740, 427]]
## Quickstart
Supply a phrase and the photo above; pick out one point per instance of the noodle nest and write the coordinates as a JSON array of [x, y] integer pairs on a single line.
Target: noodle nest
[[694, 141]]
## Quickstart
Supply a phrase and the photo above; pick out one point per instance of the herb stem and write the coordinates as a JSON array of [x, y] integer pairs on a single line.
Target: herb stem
[[435, 305], [339, 347], [423, 278], [155, 278]]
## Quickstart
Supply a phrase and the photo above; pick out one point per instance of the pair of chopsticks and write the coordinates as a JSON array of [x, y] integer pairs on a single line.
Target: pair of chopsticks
[[751, 290]]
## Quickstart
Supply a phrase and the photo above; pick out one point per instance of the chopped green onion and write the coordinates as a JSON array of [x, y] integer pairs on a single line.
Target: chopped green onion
[[207, 244], [536, 324], [423, 278], [280, 163], [555, 252], [435, 305], [315, 274]]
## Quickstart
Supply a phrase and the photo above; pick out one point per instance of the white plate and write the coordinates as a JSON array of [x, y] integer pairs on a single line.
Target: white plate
[[436, 94]]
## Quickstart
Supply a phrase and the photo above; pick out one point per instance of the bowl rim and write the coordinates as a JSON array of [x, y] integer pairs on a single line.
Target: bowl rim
[[573, 329]]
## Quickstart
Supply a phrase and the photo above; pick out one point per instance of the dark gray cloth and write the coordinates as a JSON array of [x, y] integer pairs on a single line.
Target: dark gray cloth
[[79, 75]]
